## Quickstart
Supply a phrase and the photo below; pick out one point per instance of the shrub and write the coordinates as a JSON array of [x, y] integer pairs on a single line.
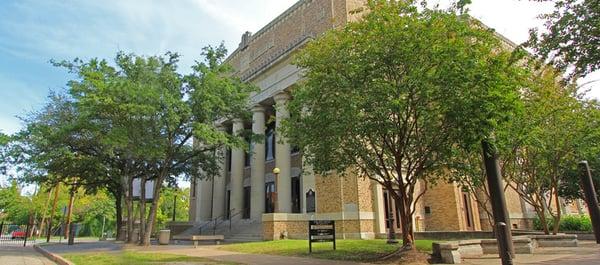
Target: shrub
[[567, 223]]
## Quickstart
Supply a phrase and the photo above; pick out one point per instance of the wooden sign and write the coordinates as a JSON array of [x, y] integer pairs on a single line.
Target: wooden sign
[[321, 231]]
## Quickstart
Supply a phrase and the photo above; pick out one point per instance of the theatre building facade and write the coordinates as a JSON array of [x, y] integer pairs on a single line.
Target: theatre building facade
[[275, 206]]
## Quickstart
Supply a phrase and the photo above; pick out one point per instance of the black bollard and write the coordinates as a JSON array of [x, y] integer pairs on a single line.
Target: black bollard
[[503, 234], [590, 197], [496, 188]]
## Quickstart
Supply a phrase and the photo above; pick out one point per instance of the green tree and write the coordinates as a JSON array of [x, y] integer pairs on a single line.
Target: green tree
[[571, 36], [543, 143], [148, 115], [392, 95], [167, 199]]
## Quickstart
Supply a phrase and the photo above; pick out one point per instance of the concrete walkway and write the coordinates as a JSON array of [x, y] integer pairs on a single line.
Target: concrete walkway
[[587, 253], [19, 255], [212, 252]]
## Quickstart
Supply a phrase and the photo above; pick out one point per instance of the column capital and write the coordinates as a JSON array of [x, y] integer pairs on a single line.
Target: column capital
[[281, 97], [258, 108]]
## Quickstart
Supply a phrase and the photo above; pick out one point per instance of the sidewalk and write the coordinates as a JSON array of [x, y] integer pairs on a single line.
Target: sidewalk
[[19, 255], [587, 253]]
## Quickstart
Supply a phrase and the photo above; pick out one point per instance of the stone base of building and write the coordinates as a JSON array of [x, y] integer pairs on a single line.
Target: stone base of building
[[179, 227], [278, 226]]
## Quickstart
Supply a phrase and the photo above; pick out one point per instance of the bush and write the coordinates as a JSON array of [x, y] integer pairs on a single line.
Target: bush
[[567, 223]]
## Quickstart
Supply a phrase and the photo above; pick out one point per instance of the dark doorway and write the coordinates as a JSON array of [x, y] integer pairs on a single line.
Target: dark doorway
[[246, 212], [228, 207], [270, 197], [296, 195], [468, 211]]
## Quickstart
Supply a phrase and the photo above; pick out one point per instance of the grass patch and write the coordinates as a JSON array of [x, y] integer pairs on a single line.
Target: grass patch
[[351, 250], [133, 257]]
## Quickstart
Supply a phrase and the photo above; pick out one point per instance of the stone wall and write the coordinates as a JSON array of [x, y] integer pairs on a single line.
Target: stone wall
[[295, 226], [443, 203]]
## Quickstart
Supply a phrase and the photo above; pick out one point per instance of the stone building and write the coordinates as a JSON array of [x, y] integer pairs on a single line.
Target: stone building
[[275, 206]]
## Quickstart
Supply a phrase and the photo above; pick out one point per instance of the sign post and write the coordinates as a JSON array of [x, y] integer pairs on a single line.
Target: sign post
[[321, 231]]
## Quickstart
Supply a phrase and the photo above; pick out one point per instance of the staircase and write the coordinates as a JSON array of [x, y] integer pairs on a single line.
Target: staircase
[[234, 230]]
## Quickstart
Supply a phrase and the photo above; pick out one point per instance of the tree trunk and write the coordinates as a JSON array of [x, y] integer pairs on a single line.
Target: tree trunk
[[129, 205], [142, 205], [52, 211], [152, 215], [69, 212], [43, 222], [543, 221], [558, 213], [119, 211], [408, 236]]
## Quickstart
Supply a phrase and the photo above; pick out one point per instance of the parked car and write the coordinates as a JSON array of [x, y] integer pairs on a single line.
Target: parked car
[[17, 234]]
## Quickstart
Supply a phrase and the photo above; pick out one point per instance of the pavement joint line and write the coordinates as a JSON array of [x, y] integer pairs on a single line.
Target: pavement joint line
[[52, 256]]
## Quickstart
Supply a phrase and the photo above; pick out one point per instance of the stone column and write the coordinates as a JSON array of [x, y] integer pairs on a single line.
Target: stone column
[[237, 172], [193, 201], [283, 156], [203, 193], [257, 164], [205, 199], [219, 183], [377, 191]]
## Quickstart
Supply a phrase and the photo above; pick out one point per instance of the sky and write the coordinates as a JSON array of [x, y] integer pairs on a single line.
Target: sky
[[32, 32]]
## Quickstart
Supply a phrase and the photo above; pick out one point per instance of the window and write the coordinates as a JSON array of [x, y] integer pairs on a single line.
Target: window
[[228, 157], [270, 142], [248, 153], [295, 149], [270, 197]]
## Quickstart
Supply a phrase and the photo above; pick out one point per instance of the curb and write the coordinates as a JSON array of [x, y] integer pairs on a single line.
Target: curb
[[56, 258]]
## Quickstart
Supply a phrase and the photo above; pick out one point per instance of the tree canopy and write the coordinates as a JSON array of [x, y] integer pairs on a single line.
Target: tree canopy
[[393, 94], [571, 36]]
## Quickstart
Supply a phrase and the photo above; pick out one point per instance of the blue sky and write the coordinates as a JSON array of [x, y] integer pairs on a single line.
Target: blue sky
[[34, 31]]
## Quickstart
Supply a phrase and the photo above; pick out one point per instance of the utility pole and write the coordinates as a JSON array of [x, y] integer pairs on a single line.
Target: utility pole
[[501, 217], [56, 189], [590, 198], [43, 222], [174, 206]]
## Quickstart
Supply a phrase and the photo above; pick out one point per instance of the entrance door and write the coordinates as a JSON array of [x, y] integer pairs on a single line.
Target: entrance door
[[246, 212], [296, 195], [270, 197], [391, 211], [468, 211]]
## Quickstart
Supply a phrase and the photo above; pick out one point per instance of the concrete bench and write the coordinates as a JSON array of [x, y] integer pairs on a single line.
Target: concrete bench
[[521, 244], [560, 240], [216, 238]]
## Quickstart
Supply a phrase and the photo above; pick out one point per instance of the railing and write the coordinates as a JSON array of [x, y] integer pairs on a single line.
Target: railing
[[219, 220], [15, 234], [232, 215]]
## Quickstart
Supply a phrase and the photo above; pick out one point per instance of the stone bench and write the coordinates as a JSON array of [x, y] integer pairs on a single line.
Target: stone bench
[[522, 245], [216, 238], [560, 240], [446, 252]]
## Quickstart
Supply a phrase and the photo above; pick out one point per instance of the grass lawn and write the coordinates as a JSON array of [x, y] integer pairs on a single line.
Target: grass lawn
[[132, 257], [354, 250]]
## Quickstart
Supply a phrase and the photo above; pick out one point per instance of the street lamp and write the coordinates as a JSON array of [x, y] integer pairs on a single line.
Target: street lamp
[[276, 171], [391, 231]]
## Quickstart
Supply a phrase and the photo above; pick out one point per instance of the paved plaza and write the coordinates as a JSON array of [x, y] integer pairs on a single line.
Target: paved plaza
[[19, 255], [586, 254]]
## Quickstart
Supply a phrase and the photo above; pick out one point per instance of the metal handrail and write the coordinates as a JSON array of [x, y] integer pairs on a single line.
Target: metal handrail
[[231, 217], [215, 221]]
